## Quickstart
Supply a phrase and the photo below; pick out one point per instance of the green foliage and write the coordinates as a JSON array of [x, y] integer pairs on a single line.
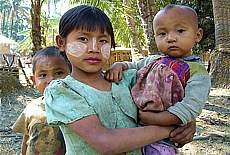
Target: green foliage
[[15, 21], [49, 27], [204, 11], [25, 43], [12, 18]]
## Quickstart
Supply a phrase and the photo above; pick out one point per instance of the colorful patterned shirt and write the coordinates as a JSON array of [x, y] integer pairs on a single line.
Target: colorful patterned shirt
[[196, 91]]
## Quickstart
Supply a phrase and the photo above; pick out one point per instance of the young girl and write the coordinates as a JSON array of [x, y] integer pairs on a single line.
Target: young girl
[[95, 115], [159, 92], [39, 137]]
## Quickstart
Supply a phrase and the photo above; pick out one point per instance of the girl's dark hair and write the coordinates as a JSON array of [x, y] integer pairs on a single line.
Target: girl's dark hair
[[49, 52], [85, 17]]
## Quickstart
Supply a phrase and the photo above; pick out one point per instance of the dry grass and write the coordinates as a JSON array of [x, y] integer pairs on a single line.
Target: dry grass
[[212, 136]]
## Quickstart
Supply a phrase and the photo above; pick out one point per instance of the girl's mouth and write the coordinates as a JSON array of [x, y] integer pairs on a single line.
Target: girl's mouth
[[93, 60]]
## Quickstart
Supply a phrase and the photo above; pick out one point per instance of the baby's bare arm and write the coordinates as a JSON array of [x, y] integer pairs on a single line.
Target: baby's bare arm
[[114, 72], [158, 118]]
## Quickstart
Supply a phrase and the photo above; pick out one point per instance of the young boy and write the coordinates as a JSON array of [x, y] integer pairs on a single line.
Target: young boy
[[39, 137], [173, 88]]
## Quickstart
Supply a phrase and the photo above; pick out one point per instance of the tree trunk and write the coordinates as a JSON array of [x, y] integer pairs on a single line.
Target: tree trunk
[[12, 22], [137, 53], [3, 21], [148, 10], [220, 57], [36, 26]]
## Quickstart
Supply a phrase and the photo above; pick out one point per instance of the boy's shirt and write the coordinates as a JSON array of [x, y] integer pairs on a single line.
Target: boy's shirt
[[42, 137]]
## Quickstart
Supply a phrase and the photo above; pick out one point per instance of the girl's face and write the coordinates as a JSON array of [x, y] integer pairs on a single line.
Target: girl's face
[[87, 51], [48, 69]]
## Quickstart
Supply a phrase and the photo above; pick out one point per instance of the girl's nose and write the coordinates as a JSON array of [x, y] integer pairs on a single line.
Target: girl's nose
[[93, 46]]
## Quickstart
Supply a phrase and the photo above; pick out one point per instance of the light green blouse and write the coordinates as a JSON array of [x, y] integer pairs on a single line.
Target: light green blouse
[[68, 100]]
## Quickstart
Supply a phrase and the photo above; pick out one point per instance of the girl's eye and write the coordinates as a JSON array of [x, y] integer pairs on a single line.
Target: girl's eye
[[180, 30], [83, 39], [104, 41]]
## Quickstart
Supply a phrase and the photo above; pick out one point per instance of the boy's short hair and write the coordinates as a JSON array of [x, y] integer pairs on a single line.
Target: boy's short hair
[[187, 8], [170, 6], [49, 52]]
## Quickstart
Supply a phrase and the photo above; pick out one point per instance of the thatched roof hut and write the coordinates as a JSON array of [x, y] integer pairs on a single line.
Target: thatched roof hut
[[6, 44]]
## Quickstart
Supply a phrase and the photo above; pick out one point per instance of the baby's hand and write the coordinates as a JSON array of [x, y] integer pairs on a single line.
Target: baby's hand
[[146, 117], [114, 72]]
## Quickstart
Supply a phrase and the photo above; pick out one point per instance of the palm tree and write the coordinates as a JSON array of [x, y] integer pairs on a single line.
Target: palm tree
[[12, 17], [137, 52], [36, 25], [220, 57], [36, 32], [148, 10]]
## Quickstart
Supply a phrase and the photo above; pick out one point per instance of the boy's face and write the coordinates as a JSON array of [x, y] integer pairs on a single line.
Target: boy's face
[[176, 31], [48, 69]]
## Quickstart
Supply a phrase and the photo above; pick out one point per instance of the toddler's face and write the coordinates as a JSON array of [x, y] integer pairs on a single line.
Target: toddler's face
[[48, 69], [176, 32]]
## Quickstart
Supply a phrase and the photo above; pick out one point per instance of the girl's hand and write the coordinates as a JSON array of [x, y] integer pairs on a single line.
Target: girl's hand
[[183, 134], [114, 73]]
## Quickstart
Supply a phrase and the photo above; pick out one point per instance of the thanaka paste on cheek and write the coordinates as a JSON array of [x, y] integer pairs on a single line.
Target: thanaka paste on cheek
[[105, 51], [76, 49]]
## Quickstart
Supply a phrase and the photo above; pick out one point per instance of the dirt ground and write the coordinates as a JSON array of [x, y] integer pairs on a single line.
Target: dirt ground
[[212, 136]]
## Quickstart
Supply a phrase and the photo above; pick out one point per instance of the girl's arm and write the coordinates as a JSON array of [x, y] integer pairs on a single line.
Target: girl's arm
[[113, 141], [24, 145]]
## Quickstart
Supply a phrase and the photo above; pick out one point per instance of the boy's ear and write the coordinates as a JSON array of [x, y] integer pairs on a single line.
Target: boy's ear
[[199, 35], [60, 43], [33, 80]]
